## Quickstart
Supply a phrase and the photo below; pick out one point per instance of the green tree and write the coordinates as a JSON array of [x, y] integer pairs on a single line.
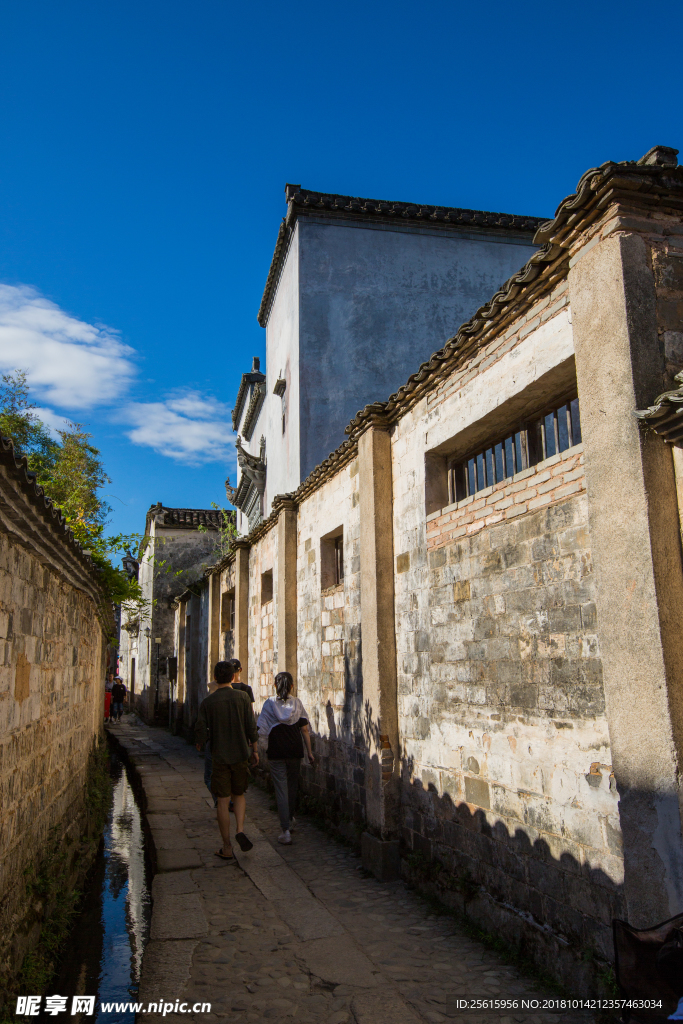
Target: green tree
[[71, 472], [18, 421]]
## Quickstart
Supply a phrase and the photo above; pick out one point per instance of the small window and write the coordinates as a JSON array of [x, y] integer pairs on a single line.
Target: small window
[[332, 559], [543, 437], [338, 559], [132, 676], [283, 422], [228, 611], [266, 586]]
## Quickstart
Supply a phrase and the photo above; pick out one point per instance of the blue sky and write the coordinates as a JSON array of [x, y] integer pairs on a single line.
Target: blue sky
[[145, 147]]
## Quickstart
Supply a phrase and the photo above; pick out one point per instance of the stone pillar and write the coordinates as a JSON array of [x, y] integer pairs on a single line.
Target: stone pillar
[[242, 606], [380, 843], [636, 550], [180, 654], [214, 624], [286, 588]]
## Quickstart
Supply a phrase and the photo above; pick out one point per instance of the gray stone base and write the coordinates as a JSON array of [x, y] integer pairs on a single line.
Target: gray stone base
[[381, 857]]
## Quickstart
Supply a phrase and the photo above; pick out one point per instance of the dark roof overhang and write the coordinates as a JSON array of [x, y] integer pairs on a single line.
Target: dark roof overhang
[[304, 202], [184, 518], [665, 417], [253, 377]]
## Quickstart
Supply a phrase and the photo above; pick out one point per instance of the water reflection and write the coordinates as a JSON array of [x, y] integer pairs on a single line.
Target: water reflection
[[104, 958]]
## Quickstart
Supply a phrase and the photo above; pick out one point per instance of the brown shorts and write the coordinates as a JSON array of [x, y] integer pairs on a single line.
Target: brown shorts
[[229, 779]]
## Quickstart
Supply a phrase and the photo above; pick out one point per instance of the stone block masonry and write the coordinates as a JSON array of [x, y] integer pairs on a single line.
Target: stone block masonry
[[53, 631], [495, 682]]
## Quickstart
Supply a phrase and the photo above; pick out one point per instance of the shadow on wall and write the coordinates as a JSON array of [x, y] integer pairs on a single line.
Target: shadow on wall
[[553, 889], [554, 907]]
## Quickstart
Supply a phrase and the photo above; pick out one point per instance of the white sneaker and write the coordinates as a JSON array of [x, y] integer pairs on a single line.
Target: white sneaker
[[285, 838]]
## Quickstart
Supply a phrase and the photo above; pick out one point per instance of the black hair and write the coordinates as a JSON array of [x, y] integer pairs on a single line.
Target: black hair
[[223, 672], [283, 685], [236, 665]]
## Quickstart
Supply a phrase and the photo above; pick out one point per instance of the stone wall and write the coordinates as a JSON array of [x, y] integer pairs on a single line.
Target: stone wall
[[329, 656], [51, 698], [507, 709], [262, 625], [174, 555]]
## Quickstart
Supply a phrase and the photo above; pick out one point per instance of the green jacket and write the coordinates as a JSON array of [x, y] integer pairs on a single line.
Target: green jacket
[[226, 720]]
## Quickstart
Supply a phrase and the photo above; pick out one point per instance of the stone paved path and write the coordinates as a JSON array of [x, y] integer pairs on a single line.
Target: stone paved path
[[292, 933]]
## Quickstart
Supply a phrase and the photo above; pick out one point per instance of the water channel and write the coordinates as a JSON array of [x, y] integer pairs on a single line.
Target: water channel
[[104, 954]]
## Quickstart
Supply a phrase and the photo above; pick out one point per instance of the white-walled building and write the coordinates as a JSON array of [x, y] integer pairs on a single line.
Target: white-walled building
[[359, 293]]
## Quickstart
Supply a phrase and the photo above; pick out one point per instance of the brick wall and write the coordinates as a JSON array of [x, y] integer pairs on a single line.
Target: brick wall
[[546, 483], [506, 758], [262, 622], [226, 649], [267, 666], [508, 773], [51, 706], [329, 651]]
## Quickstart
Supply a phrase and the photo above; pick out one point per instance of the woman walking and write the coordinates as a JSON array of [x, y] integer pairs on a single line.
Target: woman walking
[[284, 723]]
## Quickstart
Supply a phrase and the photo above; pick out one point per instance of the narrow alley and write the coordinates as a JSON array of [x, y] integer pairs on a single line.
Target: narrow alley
[[292, 933]]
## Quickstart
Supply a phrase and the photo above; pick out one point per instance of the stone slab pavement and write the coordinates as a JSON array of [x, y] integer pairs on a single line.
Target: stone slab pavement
[[292, 933]]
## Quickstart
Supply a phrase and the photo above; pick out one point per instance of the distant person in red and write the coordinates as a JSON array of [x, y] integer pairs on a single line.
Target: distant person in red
[[109, 682]]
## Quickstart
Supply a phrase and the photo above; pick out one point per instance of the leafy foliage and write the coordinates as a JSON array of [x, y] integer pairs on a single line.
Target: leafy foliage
[[71, 472], [226, 534]]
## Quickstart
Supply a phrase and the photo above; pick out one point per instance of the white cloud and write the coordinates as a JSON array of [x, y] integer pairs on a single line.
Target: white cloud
[[188, 427], [69, 363], [75, 365], [52, 420]]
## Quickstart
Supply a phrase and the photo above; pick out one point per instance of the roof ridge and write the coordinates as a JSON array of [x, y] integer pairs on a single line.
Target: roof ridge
[[301, 200], [18, 464], [553, 236], [595, 186], [303, 195]]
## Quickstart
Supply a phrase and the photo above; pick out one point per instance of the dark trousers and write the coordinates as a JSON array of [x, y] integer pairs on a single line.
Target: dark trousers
[[208, 768], [285, 775]]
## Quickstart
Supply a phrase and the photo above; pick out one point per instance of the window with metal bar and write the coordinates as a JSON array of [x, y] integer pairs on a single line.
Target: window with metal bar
[[547, 435], [332, 559], [338, 559]]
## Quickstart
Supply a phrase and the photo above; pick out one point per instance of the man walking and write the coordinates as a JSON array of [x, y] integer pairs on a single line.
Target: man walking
[[118, 695], [226, 720]]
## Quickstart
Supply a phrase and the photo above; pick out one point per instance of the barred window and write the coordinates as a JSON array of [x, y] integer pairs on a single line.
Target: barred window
[[228, 611], [338, 559], [547, 435]]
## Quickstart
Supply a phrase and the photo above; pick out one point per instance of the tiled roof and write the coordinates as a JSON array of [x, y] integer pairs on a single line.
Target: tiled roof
[[654, 184], [253, 377], [304, 202], [257, 397], [185, 518], [665, 416], [651, 182], [67, 553]]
